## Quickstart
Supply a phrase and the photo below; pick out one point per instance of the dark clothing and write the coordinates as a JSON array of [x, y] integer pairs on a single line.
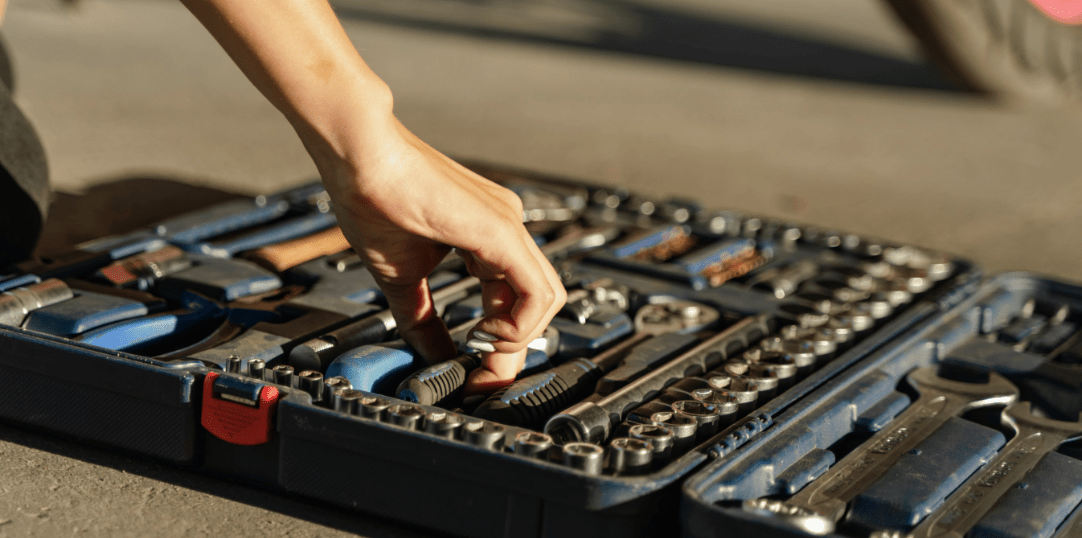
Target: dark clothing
[[24, 176]]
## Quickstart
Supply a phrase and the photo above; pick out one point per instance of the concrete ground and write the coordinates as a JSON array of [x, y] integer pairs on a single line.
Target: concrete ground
[[818, 111]]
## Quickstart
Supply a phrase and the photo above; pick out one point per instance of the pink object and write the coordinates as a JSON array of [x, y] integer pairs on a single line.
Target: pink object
[[1064, 11]]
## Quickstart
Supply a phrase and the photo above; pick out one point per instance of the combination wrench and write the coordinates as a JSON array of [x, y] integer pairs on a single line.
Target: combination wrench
[[1034, 438], [822, 503]]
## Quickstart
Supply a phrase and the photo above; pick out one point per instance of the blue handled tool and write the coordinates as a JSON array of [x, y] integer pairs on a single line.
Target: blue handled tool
[[85, 311], [137, 333], [284, 230]]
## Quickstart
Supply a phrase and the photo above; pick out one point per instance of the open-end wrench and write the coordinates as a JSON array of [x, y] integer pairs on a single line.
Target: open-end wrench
[[1034, 437], [1072, 528], [824, 500]]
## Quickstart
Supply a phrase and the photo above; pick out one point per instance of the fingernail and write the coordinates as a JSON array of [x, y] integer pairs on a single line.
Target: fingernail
[[480, 345], [483, 336]]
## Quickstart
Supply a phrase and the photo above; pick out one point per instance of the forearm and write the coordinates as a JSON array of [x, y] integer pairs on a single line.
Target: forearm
[[297, 54]]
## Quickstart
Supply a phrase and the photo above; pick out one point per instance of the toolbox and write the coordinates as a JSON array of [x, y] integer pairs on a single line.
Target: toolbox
[[714, 373]]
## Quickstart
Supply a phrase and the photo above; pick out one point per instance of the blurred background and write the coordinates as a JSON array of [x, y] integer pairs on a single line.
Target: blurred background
[[829, 112]]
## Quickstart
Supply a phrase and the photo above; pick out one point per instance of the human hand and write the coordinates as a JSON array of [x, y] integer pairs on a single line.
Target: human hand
[[404, 207]]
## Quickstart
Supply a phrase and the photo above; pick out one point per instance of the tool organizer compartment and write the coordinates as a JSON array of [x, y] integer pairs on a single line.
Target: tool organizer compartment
[[965, 426], [247, 341]]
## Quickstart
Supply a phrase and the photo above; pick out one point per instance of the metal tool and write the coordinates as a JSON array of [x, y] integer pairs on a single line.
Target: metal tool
[[405, 415], [584, 457], [660, 438], [661, 331], [311, 382], [725, 388], [1034, 438], [373, 407], [940, 399], [443, 424], [684, 428], [482, 434], [630, 456], [532, 444], [441, 384], [17, 303], [331, 385], [784, 281], [593, 421], [317, 353], [141, 271]]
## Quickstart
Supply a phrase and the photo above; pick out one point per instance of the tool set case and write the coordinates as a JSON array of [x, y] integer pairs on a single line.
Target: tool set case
[[714, 373]]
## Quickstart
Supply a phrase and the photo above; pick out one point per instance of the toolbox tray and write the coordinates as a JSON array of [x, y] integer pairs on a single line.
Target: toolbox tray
[[152, 408], [799, 444]]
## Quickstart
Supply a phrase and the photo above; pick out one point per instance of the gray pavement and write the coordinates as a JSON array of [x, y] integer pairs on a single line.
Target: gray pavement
[[812, 110]]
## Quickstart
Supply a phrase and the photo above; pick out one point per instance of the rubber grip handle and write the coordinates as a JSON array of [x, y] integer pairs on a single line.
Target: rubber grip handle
[[530, 401], [440, 383]]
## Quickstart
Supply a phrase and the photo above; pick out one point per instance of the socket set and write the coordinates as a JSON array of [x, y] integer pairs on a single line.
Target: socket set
[[693, 383]]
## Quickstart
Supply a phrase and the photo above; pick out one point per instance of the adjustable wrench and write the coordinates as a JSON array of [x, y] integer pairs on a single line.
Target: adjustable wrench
[[1034, 437], [822, 503]]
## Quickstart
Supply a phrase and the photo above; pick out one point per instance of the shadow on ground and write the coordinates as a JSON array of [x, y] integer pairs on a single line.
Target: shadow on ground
[[654, 31]]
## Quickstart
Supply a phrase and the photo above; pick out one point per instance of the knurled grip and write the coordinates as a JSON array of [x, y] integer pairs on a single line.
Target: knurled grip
[[530, 401], [439, 383]]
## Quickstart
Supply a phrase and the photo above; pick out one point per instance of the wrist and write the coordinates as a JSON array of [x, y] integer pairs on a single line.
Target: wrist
[[343, 133]]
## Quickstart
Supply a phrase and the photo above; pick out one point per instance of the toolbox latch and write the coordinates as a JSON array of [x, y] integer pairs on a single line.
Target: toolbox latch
[[236, 411]]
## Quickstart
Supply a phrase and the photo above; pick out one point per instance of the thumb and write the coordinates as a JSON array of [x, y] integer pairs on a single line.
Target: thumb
[[418, 324]]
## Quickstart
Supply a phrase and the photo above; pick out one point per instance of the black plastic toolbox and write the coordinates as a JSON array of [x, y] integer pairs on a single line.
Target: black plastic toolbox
[[191, 399]]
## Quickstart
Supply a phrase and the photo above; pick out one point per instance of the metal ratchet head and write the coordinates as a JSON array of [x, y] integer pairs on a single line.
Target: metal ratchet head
[[1034, 438], [939, 400], [674, 316]]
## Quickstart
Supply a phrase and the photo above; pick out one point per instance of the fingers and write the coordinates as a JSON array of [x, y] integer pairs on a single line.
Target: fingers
[[418, 324], [515, 312], [497, 371]]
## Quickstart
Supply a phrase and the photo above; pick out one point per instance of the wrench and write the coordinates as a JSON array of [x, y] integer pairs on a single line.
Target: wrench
[[823, 502], [1072, 528], [1034, 437]]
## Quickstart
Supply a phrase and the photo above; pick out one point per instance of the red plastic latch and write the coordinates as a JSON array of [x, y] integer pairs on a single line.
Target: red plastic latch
[[238, 423]]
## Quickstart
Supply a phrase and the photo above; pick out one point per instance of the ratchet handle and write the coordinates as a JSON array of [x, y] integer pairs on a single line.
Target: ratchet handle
[[528, 402]]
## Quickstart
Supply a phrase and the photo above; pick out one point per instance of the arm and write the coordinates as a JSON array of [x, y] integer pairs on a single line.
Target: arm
[[401, 204]]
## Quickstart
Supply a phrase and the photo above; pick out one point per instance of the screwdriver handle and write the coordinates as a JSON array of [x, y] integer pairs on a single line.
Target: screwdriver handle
[[528, 402]]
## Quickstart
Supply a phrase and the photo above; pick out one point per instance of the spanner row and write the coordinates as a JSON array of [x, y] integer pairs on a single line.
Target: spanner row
[[820, 505]]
